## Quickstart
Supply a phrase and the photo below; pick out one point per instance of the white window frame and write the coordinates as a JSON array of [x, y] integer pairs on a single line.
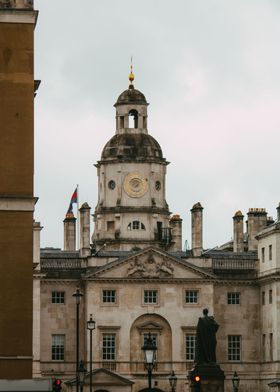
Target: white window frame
[[150, 294], [58, 347], [233, 298], [190, 346], [109, 350], [58, 297], [234, 348], [109, 296], [192, 297]]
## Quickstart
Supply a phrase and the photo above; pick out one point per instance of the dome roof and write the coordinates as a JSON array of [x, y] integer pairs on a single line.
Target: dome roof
[[132, 146], [131, 96]]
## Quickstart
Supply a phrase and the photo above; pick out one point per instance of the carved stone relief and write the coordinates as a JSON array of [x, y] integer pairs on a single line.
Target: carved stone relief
[[150, 268]]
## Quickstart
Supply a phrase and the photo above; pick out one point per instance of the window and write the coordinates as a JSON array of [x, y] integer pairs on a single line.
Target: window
[[109, 346], [263, 347], [233, 298], [263, 297], [263, 255], [136, 225], [58, 347], [109, 296], [150, 296], [270, 252], [133, 119], [111, 184], [190, 343], [271, 347], [58, 297], [158, 185], [121, 121], [234, 347], [270, 296], [191, 296]]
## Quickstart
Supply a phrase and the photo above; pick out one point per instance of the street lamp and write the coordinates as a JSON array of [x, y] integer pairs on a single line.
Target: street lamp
[[82, 374], [90, 327], [235, 382], [78, 296], [149, 349], [173, 381]]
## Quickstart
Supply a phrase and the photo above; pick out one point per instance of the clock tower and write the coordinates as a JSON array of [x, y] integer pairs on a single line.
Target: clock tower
[[131, 212]]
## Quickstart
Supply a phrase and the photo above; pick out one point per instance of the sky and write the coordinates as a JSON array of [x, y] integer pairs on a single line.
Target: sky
[[210, 71]]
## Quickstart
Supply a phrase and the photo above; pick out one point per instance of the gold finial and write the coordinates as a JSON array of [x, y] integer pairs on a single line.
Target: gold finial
[[131, 75]]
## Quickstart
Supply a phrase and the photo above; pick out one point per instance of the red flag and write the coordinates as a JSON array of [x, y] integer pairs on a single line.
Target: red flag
[[74, 199]]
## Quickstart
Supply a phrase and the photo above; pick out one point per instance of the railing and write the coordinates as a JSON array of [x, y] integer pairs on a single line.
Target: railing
[[61, 264], [233, 265], [163, 235]]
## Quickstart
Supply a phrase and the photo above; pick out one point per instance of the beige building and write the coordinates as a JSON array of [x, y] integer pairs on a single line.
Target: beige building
[[136, 279]]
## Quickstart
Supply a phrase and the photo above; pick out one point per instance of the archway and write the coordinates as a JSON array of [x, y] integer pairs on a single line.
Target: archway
[[160, 330]]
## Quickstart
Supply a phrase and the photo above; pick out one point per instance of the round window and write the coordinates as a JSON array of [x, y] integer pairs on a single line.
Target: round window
[[111, 184]]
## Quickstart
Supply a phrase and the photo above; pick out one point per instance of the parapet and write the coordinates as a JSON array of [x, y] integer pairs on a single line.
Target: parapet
[[19, 4]]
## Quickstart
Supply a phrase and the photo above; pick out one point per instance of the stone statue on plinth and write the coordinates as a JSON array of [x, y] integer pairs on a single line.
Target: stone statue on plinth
[[206, 339], [206, 371]]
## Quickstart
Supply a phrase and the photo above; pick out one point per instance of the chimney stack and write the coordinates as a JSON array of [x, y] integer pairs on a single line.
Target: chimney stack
[[257, 220], [197, 229], [85, 230], [176, 227], [238, 236], [278, 212], [69, 232]]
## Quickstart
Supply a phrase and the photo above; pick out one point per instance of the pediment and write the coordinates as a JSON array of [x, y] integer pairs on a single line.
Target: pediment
[[150, 263], [104, 377]]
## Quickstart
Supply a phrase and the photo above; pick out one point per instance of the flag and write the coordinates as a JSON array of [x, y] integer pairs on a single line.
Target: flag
[[74, 199]]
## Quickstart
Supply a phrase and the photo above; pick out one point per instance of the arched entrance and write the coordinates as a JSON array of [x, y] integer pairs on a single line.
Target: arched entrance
[[161, 332]]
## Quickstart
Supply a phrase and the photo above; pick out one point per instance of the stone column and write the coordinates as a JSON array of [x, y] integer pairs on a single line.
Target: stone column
[[176, 226], [84, 230], [69, 232], [238, 235], [197, 229]]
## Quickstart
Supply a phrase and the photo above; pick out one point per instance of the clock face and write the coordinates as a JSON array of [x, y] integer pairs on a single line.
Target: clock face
[[135, 185]]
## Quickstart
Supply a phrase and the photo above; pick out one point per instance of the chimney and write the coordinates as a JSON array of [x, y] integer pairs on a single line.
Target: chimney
[[69, 232], [197, 229], [257, 220], [85, 230], [278, 212], [238, 236], [176, 232]]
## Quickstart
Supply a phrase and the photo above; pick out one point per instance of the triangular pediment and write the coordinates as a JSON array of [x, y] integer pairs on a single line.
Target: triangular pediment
[[105, 378], [150, 263]]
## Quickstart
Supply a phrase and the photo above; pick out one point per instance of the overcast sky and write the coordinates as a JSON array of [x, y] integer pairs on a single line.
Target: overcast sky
[[210, 71]]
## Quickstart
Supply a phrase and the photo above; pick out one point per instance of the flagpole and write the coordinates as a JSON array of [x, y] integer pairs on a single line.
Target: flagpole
[[78, 219]]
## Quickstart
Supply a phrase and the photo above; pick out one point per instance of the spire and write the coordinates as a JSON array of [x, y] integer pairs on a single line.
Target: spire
[[131, 75]]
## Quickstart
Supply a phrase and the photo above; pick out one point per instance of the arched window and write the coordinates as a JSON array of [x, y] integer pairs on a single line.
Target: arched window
[[136, 225], [133, 119]]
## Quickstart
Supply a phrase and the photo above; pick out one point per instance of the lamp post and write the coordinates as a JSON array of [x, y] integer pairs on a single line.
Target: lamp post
[[149, 349], [173, 381], [235, 382], [90, 327], [82, 373], [78, 296]]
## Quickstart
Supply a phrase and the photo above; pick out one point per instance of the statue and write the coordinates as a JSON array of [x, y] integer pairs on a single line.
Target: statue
[[206, 339]]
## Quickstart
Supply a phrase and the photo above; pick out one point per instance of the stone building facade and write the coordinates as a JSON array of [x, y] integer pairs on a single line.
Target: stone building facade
[[136, 279], [17, 201]]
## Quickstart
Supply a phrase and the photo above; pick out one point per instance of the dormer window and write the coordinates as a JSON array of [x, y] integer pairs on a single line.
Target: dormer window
[[133, 119], [136, 225]]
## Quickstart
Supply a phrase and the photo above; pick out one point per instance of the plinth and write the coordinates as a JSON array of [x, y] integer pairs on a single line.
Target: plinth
[[210, 378]]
